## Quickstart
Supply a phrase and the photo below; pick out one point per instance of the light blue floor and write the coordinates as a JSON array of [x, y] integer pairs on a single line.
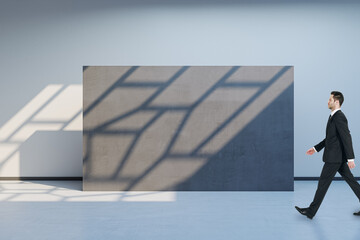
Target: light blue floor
[[189, 215]]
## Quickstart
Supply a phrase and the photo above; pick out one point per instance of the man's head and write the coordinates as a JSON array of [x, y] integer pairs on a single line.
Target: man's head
[[336, 100]]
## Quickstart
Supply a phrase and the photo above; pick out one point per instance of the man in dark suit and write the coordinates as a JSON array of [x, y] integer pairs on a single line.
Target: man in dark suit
[[338, 155]]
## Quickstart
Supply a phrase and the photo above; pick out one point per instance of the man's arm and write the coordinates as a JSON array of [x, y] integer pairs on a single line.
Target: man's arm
[[318, 147], [345, 137]]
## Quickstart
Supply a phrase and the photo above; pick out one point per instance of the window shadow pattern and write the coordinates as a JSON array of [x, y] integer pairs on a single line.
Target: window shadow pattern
[[44, 137], [219, 128]]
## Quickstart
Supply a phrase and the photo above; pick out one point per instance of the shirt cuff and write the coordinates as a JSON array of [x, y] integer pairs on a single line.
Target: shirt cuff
[[314, 149], [350, 160]]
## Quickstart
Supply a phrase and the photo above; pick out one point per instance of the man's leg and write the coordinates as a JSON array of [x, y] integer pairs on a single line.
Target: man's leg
[[327, 174], [349, 178]]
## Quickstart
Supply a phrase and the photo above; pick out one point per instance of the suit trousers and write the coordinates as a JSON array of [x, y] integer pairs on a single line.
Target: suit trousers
[[327, 174]]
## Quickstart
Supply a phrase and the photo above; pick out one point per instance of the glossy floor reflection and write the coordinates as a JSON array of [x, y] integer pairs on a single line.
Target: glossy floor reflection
[[60, 210]]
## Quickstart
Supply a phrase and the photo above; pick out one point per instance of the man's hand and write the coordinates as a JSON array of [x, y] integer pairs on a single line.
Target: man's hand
[[311, 151], [351, 164]]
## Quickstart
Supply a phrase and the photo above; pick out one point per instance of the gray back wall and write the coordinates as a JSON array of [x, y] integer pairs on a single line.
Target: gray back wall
[[45, 43]]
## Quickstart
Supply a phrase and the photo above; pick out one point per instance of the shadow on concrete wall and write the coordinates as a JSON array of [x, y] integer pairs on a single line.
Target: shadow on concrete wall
[[251, 148], [257, 158]]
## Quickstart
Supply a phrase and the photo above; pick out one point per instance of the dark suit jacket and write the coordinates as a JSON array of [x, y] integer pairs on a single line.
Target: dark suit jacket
[[337, 143]]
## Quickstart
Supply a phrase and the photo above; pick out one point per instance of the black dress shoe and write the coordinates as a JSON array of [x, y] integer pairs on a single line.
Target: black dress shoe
[[304, 211], [357, 213]]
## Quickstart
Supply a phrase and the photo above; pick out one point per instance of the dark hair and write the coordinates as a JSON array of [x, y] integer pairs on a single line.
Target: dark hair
[[338, 96]]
